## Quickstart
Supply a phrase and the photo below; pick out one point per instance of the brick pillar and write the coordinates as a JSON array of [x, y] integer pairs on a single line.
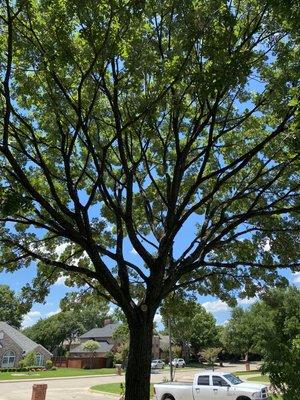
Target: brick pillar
[[39, 392]]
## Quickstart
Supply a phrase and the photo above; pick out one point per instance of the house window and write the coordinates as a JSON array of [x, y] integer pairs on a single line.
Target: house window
[[8, 359], [39, 359]]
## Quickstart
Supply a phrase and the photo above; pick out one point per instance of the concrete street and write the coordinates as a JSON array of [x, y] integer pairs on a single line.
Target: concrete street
[[78, 389]]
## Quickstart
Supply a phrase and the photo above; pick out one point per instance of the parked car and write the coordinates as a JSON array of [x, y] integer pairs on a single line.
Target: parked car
[[178, 363], [211, 385], [155, 364]]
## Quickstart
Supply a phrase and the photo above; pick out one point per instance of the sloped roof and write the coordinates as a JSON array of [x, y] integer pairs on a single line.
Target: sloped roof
[[98, 333], [104, 347], [21, 340]]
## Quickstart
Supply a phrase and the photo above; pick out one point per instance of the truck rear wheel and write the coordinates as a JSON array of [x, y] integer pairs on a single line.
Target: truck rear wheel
[[243, 398], [168, 397]]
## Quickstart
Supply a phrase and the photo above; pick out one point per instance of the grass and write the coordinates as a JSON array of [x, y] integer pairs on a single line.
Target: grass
[[241, 373], [114, 388], [260, 378], [59, 372]]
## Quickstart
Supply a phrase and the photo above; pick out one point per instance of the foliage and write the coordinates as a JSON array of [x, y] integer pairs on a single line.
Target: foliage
[[91, 346], [282, 350], [59, 331], [28, 360], [176, 351], [121, 337], [12, 308], [191, 324], [211, 354], [135, 123], [49, 364], [239, 334]]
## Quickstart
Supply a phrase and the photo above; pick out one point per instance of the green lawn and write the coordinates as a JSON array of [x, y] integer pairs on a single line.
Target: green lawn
[[260, 378], [60, 372], [114, 388]]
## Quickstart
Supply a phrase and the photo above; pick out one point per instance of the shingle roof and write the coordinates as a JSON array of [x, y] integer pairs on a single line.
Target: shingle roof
[[21, 340], [104, 347], [106, 331]]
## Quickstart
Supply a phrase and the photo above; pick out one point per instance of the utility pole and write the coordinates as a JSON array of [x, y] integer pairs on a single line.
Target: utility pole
[[170, 351]]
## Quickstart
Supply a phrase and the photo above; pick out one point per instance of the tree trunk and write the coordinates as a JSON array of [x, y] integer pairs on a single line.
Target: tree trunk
[[138, 370]]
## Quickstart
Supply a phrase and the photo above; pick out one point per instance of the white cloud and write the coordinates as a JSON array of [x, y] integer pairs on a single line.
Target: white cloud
[[266, 244], [31, 318], [60, 281], [247, 301], [296, 278], [215, 306], [157, 318], [219, 305], [53, 312]]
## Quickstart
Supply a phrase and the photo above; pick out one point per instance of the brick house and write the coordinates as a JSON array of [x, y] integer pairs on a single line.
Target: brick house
[[104, 337], [14, 345]]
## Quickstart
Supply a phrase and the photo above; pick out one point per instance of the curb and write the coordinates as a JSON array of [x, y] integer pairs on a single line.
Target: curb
[[113, 395]]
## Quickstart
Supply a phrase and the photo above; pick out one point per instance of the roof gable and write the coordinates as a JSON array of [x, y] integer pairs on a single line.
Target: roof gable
[[19, 338], [105, 332]]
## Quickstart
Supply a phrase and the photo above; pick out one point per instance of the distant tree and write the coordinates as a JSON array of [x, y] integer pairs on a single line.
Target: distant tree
[[211, 354], [12, 309], [244, 332], [78, 315], [282, 342], [191, 325]]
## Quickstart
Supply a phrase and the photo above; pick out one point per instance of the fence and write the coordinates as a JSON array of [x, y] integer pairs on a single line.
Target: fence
[[82, 362]]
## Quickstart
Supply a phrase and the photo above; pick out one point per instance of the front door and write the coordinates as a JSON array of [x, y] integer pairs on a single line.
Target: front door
[[203, 390]]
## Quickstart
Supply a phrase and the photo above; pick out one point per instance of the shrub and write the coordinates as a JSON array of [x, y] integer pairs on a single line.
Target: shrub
[[49, 364]]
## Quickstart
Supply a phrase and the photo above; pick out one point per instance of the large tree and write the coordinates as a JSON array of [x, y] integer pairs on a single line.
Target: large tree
[[12, 308], [171, 127]]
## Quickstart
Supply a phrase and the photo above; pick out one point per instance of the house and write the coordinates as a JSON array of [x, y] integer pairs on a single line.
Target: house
[[107, 344], [104, 337], [14, 346]]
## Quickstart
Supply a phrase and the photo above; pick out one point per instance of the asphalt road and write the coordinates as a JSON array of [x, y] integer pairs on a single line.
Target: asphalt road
[[78, 388]]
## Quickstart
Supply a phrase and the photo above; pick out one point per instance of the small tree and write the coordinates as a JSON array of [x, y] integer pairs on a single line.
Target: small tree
[[211, 355], [91, 346]]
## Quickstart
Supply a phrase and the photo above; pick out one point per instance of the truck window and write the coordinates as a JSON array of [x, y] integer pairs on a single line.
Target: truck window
[[203, 380], [218, 381]]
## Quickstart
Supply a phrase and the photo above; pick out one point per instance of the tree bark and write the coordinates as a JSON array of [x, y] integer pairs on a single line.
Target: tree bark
[[137, 386]]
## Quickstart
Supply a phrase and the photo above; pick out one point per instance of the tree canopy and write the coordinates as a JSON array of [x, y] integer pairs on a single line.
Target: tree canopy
[[12, 308], [58, 331], [127, 123], [191, 325]]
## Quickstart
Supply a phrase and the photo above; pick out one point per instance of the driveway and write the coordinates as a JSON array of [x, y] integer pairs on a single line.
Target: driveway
[[78, 388]]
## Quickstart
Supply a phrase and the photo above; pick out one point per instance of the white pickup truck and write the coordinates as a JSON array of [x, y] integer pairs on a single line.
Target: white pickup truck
[[211, 385]]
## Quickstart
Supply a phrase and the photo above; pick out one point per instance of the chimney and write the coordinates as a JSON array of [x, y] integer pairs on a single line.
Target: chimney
[[107, 321]]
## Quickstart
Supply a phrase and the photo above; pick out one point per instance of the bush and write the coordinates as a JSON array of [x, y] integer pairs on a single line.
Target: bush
[[49, 364], [28, 360]]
